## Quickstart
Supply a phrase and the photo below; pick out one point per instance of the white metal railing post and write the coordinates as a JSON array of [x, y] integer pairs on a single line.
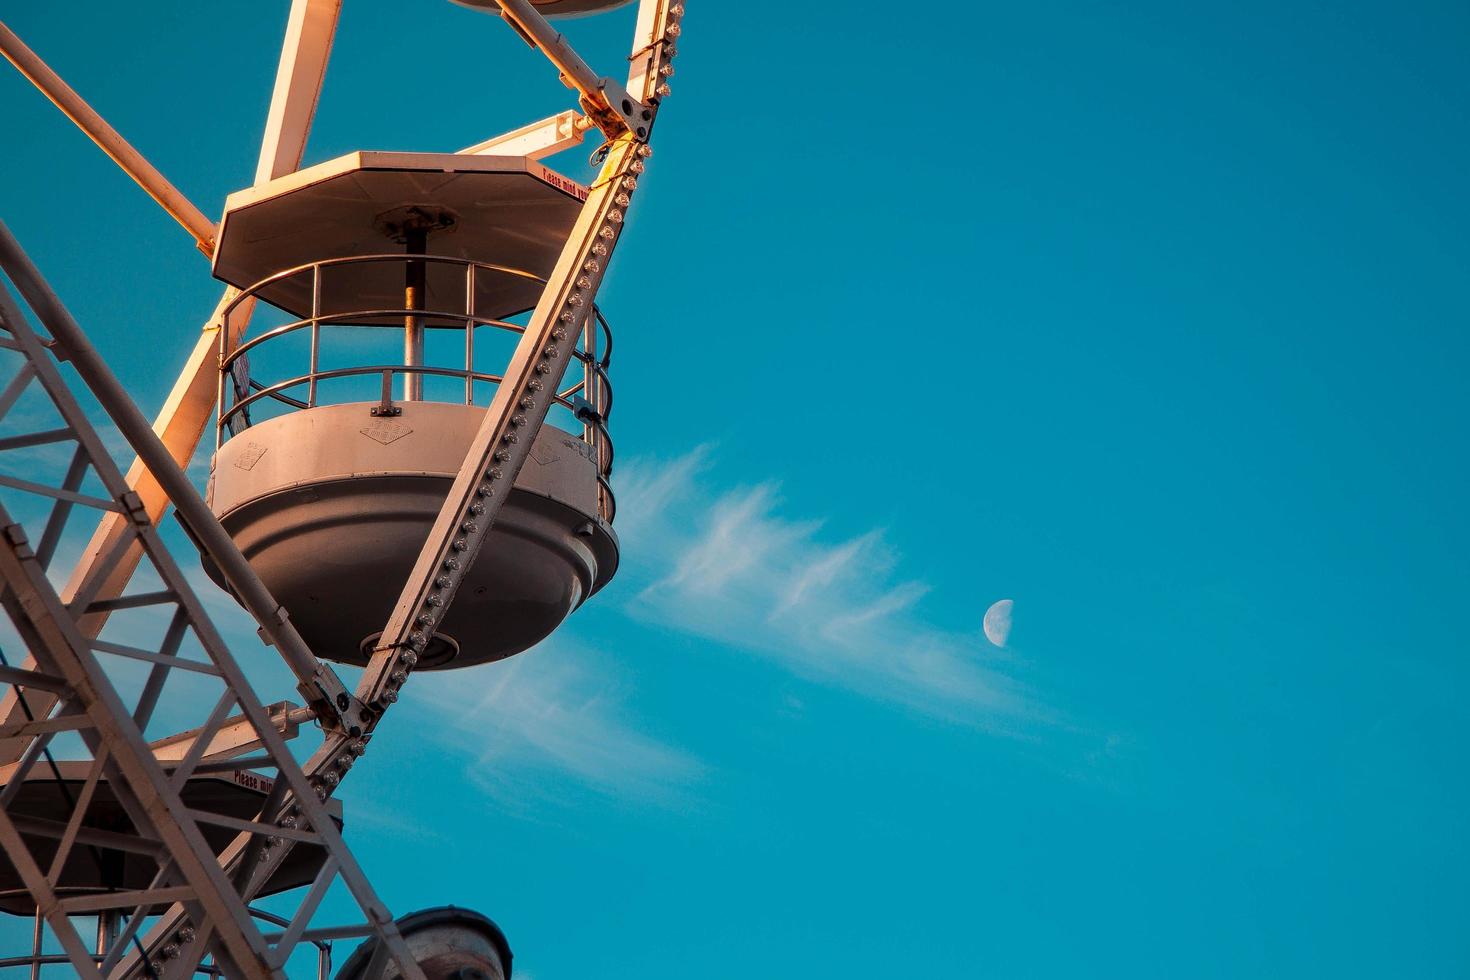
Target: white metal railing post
[[589, 380], [316, 331], [224, 370], [469, 334]]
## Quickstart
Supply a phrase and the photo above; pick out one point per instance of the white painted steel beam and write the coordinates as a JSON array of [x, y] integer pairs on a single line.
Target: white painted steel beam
[[538, 139], [169, 197], [235, 735], [304, 53]]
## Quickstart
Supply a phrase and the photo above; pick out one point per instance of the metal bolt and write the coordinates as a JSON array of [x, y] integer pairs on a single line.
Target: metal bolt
[[543, 368], [186, 935], [444, 581], [425, 619], [528, 402], [666, 71], [329, 778], [494, 474], [606, 232], [592, 265], [673, 31], [388, 697], [645, 150], [501, 455], [460, 544], [451, 563], [511, 437], [483, 490], [477, 508], [630, 182], [468, 527], [567, 316], [622, 200], [615, 216], [398, 677], [534, 385], [344, 761], [598, 248], [576, 298], [517, 420], [664, 91], [550, 351], [359, 746], [169, 951], [584, 283], [416, 638], [409, 657], [435, 600]]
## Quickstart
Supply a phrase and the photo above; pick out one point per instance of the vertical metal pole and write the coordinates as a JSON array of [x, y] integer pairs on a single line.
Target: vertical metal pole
[[589, 382], [316, 331], [413, 326], [469, 334], [385, 401], [36, 938], [224, 352], [106, 931], [595, 396]]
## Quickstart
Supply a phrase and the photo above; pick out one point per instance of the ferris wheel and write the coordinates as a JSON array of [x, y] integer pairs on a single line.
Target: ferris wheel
[[406, 386]]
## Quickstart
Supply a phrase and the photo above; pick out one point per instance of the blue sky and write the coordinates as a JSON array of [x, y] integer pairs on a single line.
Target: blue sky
[[1151, 318]]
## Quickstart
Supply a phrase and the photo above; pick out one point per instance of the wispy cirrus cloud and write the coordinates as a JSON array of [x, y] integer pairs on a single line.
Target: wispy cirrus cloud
[[730, 566], [553, 711]]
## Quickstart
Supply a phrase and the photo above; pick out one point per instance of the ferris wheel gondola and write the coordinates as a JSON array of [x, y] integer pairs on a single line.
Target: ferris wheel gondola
[[398, 512]]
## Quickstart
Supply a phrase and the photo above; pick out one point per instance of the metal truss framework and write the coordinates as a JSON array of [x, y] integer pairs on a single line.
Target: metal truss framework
[[78, 669], [64, 687]]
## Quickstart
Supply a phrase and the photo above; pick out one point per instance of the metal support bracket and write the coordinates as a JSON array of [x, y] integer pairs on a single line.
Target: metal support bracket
[[385, 409], [538, 139], [606, 101]]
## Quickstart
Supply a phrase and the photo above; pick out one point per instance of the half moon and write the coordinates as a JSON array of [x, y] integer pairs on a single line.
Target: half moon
[[998, 622]]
